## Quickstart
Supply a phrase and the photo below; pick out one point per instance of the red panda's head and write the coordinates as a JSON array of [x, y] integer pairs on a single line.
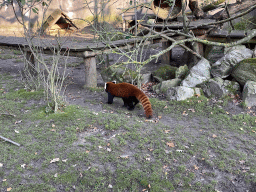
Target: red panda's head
[[108, 84]]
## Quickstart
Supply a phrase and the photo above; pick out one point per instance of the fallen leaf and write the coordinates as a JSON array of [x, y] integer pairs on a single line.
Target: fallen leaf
[[124, 156], [53, 130], [192, 110], [17, 122], [109, 149], [150, 149], [100, 147], [1, 164], [53, 125], [4, 179], [87, 151], [165, 107], [196, 168], [170, 144], [242, 162], [56, 175], [167, 131], [149, 186], [148, 159], [64, 160], [159, 117], [9, 189], [110, 186], [214, 136], [54, 160], [184, 113], [108, 144], [23, 166]]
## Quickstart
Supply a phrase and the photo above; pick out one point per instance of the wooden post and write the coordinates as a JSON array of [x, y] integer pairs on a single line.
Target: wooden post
[[90, 71], [166, 58], [30, 63]]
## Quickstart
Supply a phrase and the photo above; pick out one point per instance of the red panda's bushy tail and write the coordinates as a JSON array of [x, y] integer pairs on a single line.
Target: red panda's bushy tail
[[146, 105]]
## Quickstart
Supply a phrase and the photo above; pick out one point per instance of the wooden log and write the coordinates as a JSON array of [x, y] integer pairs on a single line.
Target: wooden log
[[90, 71], [166, 57]]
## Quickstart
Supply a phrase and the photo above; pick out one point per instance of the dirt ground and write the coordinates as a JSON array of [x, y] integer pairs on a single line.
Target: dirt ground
[[76, 94]]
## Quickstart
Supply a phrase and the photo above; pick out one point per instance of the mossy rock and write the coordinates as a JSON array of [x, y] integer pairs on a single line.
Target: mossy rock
[[245, 71], [119, 74], [165, 72]]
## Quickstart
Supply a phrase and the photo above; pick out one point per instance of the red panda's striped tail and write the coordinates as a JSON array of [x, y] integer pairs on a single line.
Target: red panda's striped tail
[[146, 105]]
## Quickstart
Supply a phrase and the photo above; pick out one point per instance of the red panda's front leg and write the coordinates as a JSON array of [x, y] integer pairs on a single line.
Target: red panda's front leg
[[110, 98]]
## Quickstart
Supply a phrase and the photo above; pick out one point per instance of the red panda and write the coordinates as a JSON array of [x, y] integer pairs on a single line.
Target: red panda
[[130, 94]]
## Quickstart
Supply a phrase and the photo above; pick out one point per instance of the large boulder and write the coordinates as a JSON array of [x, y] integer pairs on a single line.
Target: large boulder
[[198, 74], [214, 53], [165, 72], [182, 93], [165, 85], [245, 71], [120, 74], [249, 93], [218, 87], [224, 67]]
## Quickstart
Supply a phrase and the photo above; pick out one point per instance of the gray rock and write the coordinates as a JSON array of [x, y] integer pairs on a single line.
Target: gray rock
[[245, 71], [181, 72], [198, 74], [218, 87], [254, 52], [223, 67], [214, 53], [165, 85], [249, 93], [145, 78], [181, 93]]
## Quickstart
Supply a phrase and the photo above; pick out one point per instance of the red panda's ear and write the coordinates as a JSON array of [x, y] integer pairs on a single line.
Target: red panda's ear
[[114, 82], [105, 87]]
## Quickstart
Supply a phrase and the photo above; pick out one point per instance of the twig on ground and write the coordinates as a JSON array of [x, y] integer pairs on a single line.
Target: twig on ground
[[10, 141]]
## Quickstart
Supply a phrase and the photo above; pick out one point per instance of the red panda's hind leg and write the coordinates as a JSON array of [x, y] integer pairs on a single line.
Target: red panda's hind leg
[[132, 102]]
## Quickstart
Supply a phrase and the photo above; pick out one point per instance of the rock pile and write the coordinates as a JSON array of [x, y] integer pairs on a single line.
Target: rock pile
[[234, 73]]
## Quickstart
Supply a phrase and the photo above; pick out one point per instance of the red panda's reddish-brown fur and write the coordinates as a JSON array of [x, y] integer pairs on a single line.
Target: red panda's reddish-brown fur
[[126, 90]]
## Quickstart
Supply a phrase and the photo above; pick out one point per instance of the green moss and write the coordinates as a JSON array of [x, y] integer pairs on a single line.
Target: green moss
[[119, 74], [165, 72], [250, 60]]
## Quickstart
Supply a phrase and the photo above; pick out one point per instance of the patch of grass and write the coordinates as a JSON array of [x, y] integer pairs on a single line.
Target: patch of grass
[[4, 57], [104, 150]]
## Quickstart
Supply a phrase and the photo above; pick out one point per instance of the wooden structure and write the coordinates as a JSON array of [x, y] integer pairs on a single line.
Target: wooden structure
[[88, 51], [57, 17]]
